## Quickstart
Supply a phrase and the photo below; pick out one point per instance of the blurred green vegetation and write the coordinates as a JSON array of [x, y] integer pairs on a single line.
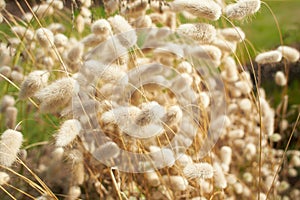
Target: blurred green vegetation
[[262, 31]]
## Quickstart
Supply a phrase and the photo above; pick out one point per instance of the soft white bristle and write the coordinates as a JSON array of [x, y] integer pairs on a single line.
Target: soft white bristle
[[219, 177], [289, 53], [4, 178], [173, 115], [11, 117], [7, 101], [33, 82], [128, 36], [67, 132], [43, 10], [176, 183], [74, 193], [162, 157], [10, 144], [152, 179], [101, 27], [45, 37], [75, 53], [280, 78], [57, 4], [80, 23], [199, 170], [56, 28], [60, 40], [245, 104], [16, 76], [5, 71], [107, 151], [201, 32], [201, 8], [268, 57], [21, 32], [242, 9], [226, 153], [230, 72], [57, 94], [232, 34]]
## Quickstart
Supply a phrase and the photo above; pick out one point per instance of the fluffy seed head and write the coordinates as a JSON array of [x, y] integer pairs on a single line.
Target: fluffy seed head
[[101, 27], [247, 176], [57, 4], [201, 8], [107, 151], [80, 23], [219, 177], [289, 53], [78, 173], [225, 153], [11, 117], [201, 32], [121, 25], [7, 101], [235, 34], [143, 22], [176, 183], [208, 52], [33, 82], [21, 32], [280, 78], [16, 76], [173, 115], [56, 28], [185, 66], [238, 188], [184, 160], [10, 144], [135, 9], [242, 9], [58, 153], [74, 193], [43, 10], [199, 170], [4, 178], [57, 94], [60, 40], [27, 17], [268, 57], [75, 53], [151, 112], [2, 4], [237, 133], [67, 132], [45, 37], [162, 156], [224, 45], [245, 104], [230, 72], [5, 71], [152, 179]]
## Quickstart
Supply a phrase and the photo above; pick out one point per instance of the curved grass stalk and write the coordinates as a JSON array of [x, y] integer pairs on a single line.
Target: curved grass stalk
[[10, 195], [53, 46], [258, 106], [21, 191], [284, 154]]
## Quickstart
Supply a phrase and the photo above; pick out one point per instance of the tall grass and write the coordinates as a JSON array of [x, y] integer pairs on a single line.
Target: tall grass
[[146, 100]]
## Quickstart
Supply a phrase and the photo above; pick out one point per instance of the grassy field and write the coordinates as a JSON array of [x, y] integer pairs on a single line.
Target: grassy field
[[261, 31]]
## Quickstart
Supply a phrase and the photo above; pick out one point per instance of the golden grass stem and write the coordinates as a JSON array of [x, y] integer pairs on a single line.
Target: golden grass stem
[[10, 195], [283, 155]]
